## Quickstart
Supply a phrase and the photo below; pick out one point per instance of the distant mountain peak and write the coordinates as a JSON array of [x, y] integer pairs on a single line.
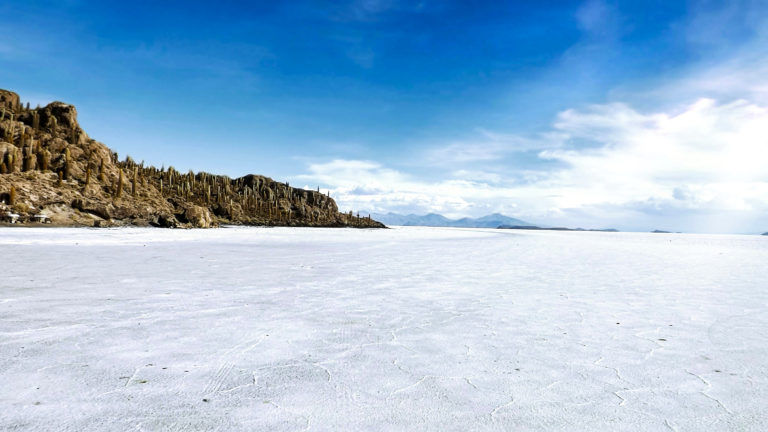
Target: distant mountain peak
[[437, 220]]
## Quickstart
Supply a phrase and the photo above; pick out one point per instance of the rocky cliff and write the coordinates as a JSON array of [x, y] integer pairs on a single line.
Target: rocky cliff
[[49, 166]]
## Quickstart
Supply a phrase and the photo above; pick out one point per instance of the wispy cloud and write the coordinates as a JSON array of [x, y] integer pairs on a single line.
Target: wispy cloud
[[597, 18], [708, 157], [489, 146], [373, 10]]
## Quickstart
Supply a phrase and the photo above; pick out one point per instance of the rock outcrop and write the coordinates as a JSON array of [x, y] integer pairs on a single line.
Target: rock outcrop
[[49, 165]]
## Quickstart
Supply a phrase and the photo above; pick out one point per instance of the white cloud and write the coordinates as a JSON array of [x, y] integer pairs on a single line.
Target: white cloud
[[618, 166], [709, 157], [366, 185], [741, 77], [487, 146]]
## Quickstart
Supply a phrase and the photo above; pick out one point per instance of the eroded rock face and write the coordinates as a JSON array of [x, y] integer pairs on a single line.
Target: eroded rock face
[[9, 100], [198, 217], [52, 166]]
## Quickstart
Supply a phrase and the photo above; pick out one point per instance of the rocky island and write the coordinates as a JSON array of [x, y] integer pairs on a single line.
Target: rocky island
[[52, 171]]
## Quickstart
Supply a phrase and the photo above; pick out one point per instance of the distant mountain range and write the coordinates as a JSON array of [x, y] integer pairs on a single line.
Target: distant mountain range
[[537, 228], [436, 220]]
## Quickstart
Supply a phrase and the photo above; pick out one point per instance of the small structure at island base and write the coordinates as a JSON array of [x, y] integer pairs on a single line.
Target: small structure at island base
[[9, 217], [41, 218]]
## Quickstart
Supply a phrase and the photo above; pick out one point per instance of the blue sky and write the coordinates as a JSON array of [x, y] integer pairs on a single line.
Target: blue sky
[[635, 115]]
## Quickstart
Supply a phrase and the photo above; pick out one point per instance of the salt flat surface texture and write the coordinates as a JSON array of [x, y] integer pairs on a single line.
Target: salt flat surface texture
[[286, 329]]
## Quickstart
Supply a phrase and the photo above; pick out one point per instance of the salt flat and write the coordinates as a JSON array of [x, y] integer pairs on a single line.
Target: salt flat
[[272, 329]]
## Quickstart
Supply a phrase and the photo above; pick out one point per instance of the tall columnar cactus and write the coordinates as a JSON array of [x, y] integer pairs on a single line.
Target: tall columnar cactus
[[12, 196], [135, 181], [29, 160], [87, 177], [43, 159], [10, 161], [119, 191], [101, 171], [67, 162]]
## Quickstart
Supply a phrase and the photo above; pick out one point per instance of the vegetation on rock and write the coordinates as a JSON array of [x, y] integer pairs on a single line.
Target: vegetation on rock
[[63, 187]]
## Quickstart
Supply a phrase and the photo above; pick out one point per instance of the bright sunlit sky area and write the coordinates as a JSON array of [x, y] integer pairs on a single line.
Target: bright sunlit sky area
[[634, 115]]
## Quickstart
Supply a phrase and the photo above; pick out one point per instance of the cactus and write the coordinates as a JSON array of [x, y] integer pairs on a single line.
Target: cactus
[[10, 162], [119, 191], [59, 182], [12, 196], [135, 180], [101, 171], [67, 158], [29, 161], [43, 159]]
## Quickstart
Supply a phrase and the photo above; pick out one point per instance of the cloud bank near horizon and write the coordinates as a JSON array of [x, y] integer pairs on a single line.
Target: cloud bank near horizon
[[699, 168]]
